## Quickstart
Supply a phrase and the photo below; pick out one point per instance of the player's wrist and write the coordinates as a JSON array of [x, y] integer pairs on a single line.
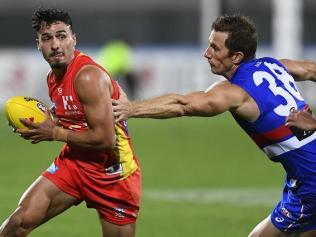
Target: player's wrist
[[60, 134], [133, 109]]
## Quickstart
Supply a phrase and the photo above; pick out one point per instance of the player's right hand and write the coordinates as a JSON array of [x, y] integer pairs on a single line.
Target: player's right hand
[[121, 106], [38, 132]]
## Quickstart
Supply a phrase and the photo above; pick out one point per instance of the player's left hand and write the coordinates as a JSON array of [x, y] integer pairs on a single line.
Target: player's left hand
[[121, 107], [37, 132]]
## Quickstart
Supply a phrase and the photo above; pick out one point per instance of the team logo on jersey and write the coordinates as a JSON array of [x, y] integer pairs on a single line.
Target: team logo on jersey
[[59, 90]]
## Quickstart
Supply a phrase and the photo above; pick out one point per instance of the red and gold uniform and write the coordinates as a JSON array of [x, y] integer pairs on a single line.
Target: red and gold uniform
[[109, 181]]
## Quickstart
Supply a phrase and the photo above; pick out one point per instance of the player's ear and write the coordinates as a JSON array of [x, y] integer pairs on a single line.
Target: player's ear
[[238, 57], [37, 44], [74, 36]]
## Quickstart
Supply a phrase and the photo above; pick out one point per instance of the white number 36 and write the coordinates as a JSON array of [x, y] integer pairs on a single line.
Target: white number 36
[[289, 94]]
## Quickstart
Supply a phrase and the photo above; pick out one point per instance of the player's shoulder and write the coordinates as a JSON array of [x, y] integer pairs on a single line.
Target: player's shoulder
[[226, 93], [91, 81], [91, 72], [267, 62], [226, 87], [258, 62], [217, 85], [248, 68], [267, 59], [90, 76]]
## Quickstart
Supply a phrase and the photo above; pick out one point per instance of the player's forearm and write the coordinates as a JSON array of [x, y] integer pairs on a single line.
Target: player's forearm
[[306, 71], [168, 106], [301, 70], [87, 139]]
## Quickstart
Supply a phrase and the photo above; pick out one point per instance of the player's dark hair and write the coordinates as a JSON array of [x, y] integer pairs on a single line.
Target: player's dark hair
[[242, 34], [49, 16]]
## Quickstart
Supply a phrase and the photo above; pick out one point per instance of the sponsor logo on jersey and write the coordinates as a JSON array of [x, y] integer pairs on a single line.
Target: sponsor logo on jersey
[[68, 102]]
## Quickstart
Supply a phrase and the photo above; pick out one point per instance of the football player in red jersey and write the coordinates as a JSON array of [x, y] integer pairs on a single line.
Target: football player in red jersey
[[97, 163]]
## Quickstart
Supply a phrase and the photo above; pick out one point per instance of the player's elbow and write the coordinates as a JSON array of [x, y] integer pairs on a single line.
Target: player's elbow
[[182, 106], [173, 111]]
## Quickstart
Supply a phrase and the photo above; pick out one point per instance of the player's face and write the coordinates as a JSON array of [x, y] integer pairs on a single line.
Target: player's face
[[218, 55], [57, 44]]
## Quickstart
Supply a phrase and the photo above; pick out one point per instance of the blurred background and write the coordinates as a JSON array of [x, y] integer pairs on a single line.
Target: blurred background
[[201, 176]]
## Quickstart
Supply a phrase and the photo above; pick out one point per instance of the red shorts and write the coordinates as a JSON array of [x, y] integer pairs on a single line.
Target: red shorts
[[117, 202]]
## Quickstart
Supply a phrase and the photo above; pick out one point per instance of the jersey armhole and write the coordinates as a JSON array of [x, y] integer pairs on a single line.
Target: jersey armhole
[[261, 105]]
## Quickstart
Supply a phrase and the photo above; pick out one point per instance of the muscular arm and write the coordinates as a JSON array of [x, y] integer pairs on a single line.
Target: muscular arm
[[219, 98], [301, 70], [93, 89], [94, 92]]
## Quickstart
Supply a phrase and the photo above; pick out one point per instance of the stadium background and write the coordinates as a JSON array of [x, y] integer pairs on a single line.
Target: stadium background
[[201, 176]]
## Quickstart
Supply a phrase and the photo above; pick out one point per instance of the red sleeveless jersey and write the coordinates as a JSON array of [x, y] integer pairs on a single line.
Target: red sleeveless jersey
[[118, 163]]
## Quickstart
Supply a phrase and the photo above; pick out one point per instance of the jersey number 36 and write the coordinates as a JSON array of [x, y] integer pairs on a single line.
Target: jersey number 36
[[289, 94]]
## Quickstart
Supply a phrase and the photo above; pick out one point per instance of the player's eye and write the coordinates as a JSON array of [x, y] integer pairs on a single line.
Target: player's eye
[[61, 37], [215, 47], [46, 38]]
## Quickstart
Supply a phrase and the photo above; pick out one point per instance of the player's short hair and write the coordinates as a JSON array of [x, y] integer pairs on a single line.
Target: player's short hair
[[49, 16], [242, 34]]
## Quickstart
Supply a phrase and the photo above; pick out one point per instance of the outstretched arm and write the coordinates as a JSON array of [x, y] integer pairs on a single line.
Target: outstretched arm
[[219, 98], [301, 70]]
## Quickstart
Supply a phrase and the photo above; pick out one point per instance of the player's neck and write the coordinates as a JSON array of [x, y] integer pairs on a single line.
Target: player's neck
[[59, 72], [230, 73], [61, 69]]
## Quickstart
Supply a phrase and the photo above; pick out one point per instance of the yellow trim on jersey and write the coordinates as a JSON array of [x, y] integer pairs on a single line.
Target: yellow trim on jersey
[[124, 153]]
